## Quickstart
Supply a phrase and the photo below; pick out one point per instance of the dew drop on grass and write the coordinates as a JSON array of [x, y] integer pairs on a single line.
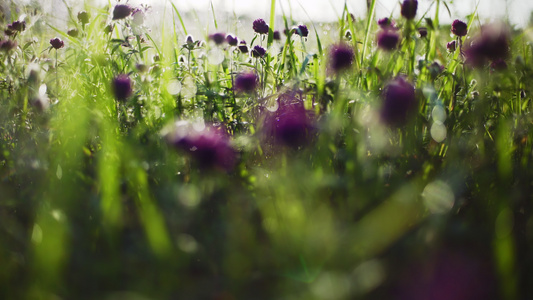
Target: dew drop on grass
[[174, 87], [438, 197], [215, 56], [59, 172], [438, 114], [438, 132], [272, 105]]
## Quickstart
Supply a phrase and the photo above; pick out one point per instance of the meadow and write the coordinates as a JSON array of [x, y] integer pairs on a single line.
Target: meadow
[[362, 159]]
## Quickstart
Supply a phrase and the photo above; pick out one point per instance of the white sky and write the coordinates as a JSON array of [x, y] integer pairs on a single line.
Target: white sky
[[327, 10]]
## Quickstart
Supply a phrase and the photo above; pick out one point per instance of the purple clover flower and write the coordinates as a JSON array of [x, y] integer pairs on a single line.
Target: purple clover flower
[[302, 30], [491, 44], [459, 28], [121, 11], [246, 82], [210, 148], [242, 47], [423, 32], [386, 23], [258, 51], [260, 26], [57, 43], [341, 57], [122, 87], [409, 8], [451, 46], [17, 26], [388, 39], [399, 102], [277, 35], [291, 124], [231, 40], [218, 38], [7, 45]]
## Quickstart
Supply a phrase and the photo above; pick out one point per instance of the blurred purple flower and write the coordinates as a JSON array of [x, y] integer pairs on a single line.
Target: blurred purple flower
[[231, 40], [122, 87], [7, 45], [341, 57], [210, 148], [459, 28], [277, 35], [491, 44], [388, 39], [260, 26], [409, 8], [291, 124], [121, 11], [386, 23], [399, 102], [242, 47], [302, 30], [218, 38], [57, 43], [450, 274], [423, 32], [17, 26], [246, 82], [258, 51], [451, 46]]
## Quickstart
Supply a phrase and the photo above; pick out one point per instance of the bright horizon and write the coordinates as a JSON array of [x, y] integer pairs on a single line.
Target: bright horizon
[[326, 11]]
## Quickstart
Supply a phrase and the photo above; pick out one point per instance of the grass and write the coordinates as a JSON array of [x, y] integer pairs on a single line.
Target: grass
[[298, 189]]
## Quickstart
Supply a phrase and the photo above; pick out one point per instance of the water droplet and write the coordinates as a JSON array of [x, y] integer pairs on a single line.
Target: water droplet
[[174, 87], [438, 114], [215, 56], [438, 197], [438, 132]]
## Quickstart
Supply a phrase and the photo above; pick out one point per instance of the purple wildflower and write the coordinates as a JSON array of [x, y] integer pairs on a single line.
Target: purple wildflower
[[231, 40], [7, 45], [258, 51], [218, 38], [122, 87], [491, 44], [423, 32], [341, 57], [242, 47], [386, 23], [121, 11], [459, 28], [260, 26], [399, 102], [57, 43], [409, 8], [210, 148], [17, 26], [388, 39], [291, 124], [277, 35], [246, 82], [451, 46], [302, 30]]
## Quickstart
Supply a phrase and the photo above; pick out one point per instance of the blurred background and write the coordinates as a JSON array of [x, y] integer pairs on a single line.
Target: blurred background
[[519, 11]]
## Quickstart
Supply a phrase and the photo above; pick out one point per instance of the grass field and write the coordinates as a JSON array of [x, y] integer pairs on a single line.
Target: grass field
[[362, 159]]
